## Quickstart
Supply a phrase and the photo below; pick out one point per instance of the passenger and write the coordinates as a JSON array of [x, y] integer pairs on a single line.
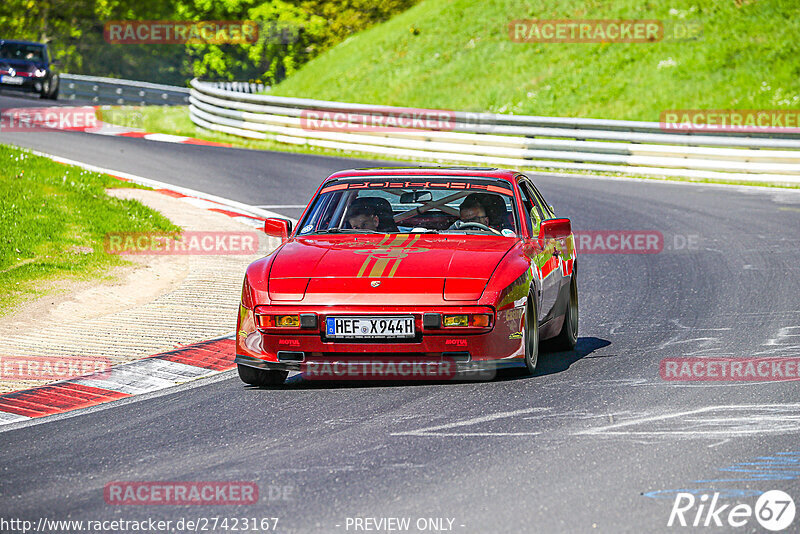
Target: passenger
[[362, 215]]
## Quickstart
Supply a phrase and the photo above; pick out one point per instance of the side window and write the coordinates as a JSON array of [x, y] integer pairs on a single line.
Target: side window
[[536, 201], [545, 206], [527, 205], [537, 206]]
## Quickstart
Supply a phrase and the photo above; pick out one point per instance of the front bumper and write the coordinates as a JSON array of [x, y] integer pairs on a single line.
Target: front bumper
[[498, 346], [387, 369], [29, 84]]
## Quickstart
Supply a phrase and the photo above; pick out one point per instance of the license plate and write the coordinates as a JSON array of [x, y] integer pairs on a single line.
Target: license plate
[[13, 80], [369, 327]]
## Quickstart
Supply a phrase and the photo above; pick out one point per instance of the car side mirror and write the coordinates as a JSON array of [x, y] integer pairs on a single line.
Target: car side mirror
[[536, 222], [55, 63], [280, 228], [555, 228]]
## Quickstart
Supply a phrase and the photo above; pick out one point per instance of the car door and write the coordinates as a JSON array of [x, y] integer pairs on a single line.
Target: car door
[[543, 260]]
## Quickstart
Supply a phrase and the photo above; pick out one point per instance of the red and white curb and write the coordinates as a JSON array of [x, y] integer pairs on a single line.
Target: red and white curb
[[160, 371], [105, 128], [162, 137]]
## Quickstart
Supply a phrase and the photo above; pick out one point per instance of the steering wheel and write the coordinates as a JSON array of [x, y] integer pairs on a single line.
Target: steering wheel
[[459, 225]]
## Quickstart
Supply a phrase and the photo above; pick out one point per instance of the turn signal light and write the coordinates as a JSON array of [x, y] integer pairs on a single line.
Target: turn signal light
[[279, 321], [292, 321], [456, 320], [475, 320], [481, 320]]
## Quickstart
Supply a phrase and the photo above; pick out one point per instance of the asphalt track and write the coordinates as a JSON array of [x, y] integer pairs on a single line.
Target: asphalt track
[[595, 442]]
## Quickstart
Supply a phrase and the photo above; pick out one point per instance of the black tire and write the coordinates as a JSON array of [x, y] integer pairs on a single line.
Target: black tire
[[50, 89], [530, 337], [568, 337], [44, 94], [261, 377], [54, 92]]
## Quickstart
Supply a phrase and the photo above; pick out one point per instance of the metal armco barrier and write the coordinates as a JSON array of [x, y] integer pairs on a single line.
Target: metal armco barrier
[[239, 87], [120, 92], [627, 147]]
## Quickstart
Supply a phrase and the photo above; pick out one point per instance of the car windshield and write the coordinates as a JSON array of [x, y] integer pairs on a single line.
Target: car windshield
[[417, 204], [27, 52]]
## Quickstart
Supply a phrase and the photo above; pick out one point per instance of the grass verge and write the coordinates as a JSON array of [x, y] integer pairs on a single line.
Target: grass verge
[[458, 54], [54, 219]]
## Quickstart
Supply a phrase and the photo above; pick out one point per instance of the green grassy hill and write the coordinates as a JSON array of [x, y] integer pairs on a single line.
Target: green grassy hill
[[457, 54]]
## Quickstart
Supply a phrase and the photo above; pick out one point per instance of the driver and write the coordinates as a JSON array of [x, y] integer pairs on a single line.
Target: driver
[[472, 210]]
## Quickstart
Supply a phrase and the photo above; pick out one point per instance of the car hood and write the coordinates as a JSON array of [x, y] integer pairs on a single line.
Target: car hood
[[411, 268]]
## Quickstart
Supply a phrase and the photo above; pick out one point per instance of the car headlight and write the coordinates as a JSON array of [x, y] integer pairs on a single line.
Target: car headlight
[[39, 73]]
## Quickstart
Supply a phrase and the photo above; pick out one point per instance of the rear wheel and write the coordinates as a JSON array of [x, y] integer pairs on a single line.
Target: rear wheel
[[568, 337], [530, 337], [261, 377]]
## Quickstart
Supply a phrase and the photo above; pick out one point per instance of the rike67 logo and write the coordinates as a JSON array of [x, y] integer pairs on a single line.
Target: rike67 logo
[[774, 511]]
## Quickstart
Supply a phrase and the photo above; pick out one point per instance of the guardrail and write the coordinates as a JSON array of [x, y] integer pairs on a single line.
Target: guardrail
[[120, 92], [239, 87], [628, 147]]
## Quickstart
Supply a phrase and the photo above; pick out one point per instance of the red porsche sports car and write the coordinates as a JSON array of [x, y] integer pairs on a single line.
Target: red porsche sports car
[[441, 269]]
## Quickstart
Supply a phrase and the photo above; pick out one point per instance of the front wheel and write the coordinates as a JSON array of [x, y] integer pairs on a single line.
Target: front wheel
[[530, 336], [44, 93], [568, 337], [55, 85], [261, 377], [50, 89]]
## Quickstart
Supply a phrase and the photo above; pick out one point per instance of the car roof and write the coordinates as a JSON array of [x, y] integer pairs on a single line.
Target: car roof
[[475, 172], [16, 41]]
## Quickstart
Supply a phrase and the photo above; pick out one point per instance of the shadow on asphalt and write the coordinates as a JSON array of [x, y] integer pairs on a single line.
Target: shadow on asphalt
[[555, 362], [549, 363]]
